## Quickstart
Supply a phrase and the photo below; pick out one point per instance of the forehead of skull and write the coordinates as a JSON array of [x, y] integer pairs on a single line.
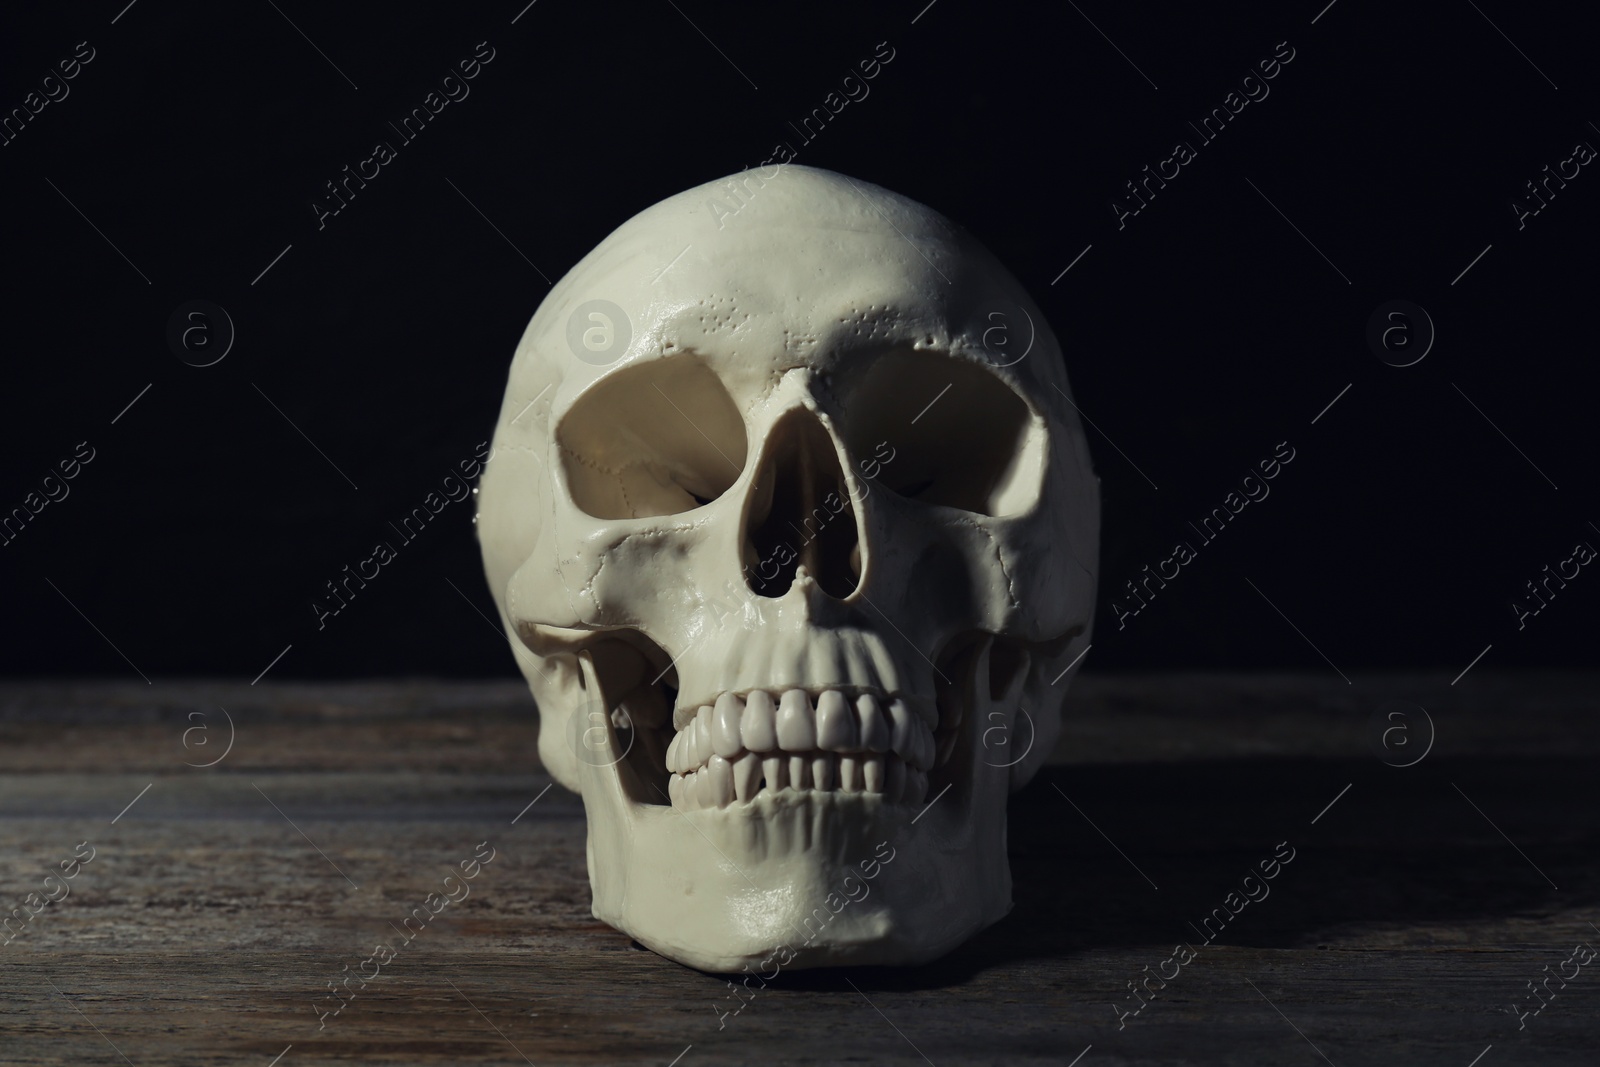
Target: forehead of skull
[[768, 270]]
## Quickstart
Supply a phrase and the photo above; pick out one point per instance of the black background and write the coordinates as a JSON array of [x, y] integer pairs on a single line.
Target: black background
[[1197, 337]]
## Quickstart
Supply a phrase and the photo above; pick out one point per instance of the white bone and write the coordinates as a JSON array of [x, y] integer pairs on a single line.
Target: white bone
[[776, 463]]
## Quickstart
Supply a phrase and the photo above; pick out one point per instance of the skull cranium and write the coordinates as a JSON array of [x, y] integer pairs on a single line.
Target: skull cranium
[[789, 545]]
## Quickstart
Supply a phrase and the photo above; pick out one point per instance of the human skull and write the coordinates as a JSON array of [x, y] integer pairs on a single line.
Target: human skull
[[792, 527]]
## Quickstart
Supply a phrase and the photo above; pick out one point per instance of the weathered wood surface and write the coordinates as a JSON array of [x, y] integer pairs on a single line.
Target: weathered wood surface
[[207, 923]]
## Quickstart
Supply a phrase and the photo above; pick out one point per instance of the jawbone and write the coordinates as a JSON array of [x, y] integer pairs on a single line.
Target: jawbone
[[804, 878]]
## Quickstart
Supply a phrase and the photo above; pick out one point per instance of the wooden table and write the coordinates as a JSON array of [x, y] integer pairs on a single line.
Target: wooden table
[[217, 907]]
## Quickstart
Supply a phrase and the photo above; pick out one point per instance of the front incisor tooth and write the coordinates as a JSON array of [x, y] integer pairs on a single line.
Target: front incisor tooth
[[747, 776], [725, 726], [759, 728], [675, 790], [822, 776], [836, 724], [797, 728], [773, 768], [799, 772], [872, 774], [672, 752], [876, 735], [849, 774], [721, 783]]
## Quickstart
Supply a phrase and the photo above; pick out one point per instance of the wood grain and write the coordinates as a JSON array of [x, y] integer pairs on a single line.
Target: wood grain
[[220, 905]]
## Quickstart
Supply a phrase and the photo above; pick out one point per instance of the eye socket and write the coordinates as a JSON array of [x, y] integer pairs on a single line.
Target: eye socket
[[944, 431], [659, 438]]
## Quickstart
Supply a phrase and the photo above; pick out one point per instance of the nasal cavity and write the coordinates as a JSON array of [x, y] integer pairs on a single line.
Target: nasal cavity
[[800, 513]]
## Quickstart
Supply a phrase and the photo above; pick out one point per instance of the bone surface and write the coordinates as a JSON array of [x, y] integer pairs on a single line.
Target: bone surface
[[798, 555]]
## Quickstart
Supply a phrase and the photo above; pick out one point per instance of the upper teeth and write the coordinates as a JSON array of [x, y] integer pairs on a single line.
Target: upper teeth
[[853, 742]]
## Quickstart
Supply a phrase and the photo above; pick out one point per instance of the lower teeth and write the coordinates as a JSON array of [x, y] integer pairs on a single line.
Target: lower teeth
[[722, 782]]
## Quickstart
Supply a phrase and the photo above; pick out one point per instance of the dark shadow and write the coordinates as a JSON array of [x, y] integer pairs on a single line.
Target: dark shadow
[[1401, 847]]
